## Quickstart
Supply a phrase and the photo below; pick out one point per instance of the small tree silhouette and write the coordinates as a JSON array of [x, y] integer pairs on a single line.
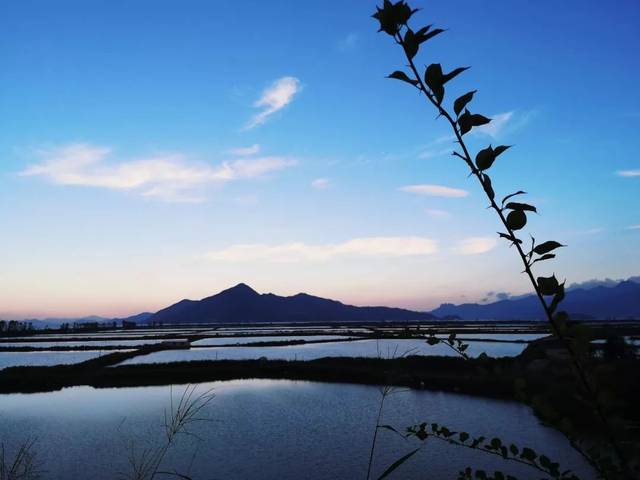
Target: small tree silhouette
[[393, 20]]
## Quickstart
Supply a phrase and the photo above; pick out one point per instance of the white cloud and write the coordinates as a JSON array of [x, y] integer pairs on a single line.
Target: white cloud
[[475, 245], [633, 227], [434, 190], [245, 151], [274, 98], [302, 252], [171, 177], [429, 154], [320, 183], [496, 126], [628, 173], [434, 212]]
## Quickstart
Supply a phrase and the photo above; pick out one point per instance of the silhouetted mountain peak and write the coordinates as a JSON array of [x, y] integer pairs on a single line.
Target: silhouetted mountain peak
[[241, 289], [243, 304]]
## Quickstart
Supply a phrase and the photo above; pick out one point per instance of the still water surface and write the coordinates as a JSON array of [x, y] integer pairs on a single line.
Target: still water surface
[[384, 348], [41, 359], [265, 429]]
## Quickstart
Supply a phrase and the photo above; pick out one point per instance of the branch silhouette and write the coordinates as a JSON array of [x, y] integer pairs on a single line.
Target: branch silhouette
[[393, 19]]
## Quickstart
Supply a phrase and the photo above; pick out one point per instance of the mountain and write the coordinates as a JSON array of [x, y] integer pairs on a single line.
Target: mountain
[[620, 301], [242, 304], [138, 318]]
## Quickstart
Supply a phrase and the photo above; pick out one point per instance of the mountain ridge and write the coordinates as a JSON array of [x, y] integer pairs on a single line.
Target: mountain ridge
[[593, 299], [242, 304], [600, 302]]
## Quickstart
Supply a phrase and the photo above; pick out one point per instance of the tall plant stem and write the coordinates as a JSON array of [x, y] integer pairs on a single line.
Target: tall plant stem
[[579, 368], [375, 432]]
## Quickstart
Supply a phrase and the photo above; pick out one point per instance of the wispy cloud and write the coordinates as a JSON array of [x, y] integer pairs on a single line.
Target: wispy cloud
[[505, 123], [278, 95], [170, 177], [475, 245], [320, 183], [303, 252], [434, 212], [628, 173], [633, 227], [348, 43], [245, 151], [435, 190], [431, 153], [496, 126]]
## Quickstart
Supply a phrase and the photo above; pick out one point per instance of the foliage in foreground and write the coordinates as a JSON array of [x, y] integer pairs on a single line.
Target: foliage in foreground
[[614, 460]]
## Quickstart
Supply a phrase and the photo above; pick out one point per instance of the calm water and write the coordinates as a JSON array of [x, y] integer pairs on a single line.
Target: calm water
[[500, 336], [92, 343], [385, 348], [265, 429], [39, 359], [279, 338]]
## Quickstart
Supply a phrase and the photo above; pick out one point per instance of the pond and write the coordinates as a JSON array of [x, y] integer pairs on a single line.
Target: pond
[[267, 338], [265, 429], [384, 348], [40, 359], [87, 343]]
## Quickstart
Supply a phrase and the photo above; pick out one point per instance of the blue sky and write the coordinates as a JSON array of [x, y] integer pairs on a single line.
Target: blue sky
[[157, 150]]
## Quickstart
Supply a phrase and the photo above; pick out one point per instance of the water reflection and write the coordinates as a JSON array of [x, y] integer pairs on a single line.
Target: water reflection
[[40, 359], [384, 348], [263, 429]]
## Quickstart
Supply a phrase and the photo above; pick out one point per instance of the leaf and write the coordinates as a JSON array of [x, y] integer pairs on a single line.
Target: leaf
[[431, 34], [557, 298], [420, 34], [389, 427], [486, 156], [544, 461], [463, 436], [519, 192], [516, 219], [548, 285], [433, 79], [501, 149], [397, 463], [478, 120], [520, 206], [410, 44], [548, 256], [400, 75], [528, 454], [547, 247], [453, 74], [467, 121], [509, 237], [486, 184], [462, 101], [477, 441], [433, 340]]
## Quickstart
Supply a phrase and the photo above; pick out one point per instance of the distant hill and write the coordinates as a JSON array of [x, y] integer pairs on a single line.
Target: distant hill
[[138, 318], [242, 304], [620, 301]]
